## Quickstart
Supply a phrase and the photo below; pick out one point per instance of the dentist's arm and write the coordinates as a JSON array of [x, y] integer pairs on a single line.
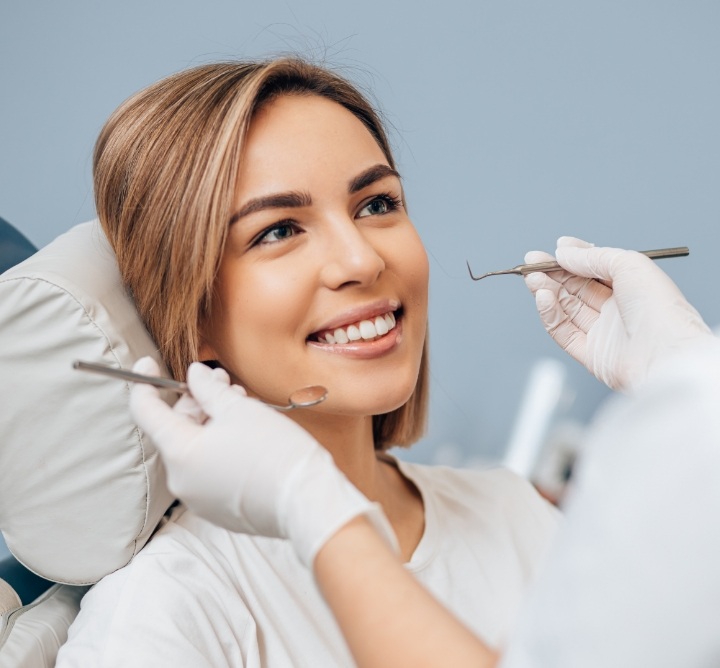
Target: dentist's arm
[[247, 468], [615, 311]]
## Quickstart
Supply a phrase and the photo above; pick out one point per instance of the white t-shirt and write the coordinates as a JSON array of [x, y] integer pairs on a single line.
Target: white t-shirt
[[198, 595]]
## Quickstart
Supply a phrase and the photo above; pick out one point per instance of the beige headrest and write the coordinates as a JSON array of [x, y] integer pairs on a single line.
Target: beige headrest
[[81, 489]]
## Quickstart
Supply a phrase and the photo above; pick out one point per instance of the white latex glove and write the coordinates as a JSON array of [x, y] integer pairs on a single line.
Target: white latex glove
[[243, 466], [615, 311]]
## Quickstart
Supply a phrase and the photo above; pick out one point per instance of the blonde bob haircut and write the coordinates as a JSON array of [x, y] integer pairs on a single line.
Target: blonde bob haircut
[[165, 171]]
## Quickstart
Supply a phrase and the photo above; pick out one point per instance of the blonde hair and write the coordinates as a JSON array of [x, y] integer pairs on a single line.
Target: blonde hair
[[165, 170]]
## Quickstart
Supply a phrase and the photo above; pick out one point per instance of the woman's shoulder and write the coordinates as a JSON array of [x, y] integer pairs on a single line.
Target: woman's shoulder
[[493, 492], [488, 481], [161, 601]]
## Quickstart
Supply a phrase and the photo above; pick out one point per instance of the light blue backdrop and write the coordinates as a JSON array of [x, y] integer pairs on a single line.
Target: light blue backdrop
[[514, 122]]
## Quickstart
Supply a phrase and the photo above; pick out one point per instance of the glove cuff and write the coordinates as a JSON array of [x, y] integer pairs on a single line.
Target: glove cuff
[[319, 501]]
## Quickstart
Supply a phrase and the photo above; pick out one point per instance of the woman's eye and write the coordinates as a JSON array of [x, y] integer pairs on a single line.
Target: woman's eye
[[379, 206], [278, 232]]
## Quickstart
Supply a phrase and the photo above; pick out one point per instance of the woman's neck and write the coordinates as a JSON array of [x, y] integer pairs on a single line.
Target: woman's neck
[[350, 441]]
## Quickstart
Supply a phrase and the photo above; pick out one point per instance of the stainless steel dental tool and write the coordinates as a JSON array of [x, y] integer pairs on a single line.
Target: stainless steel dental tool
[[545, 267], [302, 398]]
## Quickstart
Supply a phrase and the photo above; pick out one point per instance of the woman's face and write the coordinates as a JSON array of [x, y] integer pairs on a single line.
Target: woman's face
[[323, 279]]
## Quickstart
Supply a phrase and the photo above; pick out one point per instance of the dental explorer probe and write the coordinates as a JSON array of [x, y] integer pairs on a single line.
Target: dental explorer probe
[[523, 269], [302, 398]]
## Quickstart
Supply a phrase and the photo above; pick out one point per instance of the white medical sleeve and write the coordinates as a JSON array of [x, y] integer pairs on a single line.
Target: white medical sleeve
[[634, 577]]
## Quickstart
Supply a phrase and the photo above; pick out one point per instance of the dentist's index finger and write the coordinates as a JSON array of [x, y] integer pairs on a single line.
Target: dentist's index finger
[[212, 389], [591, 262]]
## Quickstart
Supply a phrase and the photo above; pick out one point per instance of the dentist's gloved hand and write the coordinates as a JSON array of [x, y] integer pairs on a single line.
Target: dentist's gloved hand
[[245, 467], [615, 311]]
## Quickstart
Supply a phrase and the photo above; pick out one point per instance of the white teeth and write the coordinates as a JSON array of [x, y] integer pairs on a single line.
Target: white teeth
[[353, 333], [367, 330]]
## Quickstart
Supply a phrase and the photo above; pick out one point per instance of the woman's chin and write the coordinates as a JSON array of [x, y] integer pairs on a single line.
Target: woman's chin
[[364, 403]]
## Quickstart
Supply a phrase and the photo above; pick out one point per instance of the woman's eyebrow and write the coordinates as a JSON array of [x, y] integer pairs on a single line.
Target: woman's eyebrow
[[275, 201], [295, 199], [369, 176]]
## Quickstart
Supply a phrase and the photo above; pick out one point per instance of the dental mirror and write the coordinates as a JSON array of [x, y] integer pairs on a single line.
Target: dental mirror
[[305, 397]]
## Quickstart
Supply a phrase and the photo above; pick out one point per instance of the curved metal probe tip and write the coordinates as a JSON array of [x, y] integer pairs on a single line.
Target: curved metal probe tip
[[490, 273]]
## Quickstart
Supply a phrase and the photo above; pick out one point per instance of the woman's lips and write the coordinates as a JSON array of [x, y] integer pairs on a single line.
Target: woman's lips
[[360, 347]]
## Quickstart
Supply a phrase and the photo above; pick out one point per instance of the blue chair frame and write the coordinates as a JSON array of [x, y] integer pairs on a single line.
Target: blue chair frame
[[14, 247]]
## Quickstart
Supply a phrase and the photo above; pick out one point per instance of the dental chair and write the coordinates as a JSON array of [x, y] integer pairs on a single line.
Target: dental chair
[[14, 247], [81, 488]]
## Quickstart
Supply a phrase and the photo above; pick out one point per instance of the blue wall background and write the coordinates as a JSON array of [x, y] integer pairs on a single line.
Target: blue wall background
[[514, 122]]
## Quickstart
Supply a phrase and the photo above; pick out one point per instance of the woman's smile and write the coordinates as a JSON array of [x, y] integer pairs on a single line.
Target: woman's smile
[[362, 332], [324, 279]]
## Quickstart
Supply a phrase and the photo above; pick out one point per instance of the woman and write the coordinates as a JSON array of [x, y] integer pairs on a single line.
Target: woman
[[259, 222]]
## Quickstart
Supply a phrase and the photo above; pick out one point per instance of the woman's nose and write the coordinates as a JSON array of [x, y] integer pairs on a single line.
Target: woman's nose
[[351, 258]]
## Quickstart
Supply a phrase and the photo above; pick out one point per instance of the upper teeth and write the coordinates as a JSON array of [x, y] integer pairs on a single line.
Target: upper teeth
[[365, 330]]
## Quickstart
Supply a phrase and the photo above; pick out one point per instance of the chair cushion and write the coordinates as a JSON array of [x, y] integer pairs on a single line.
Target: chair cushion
[[81, 489]]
